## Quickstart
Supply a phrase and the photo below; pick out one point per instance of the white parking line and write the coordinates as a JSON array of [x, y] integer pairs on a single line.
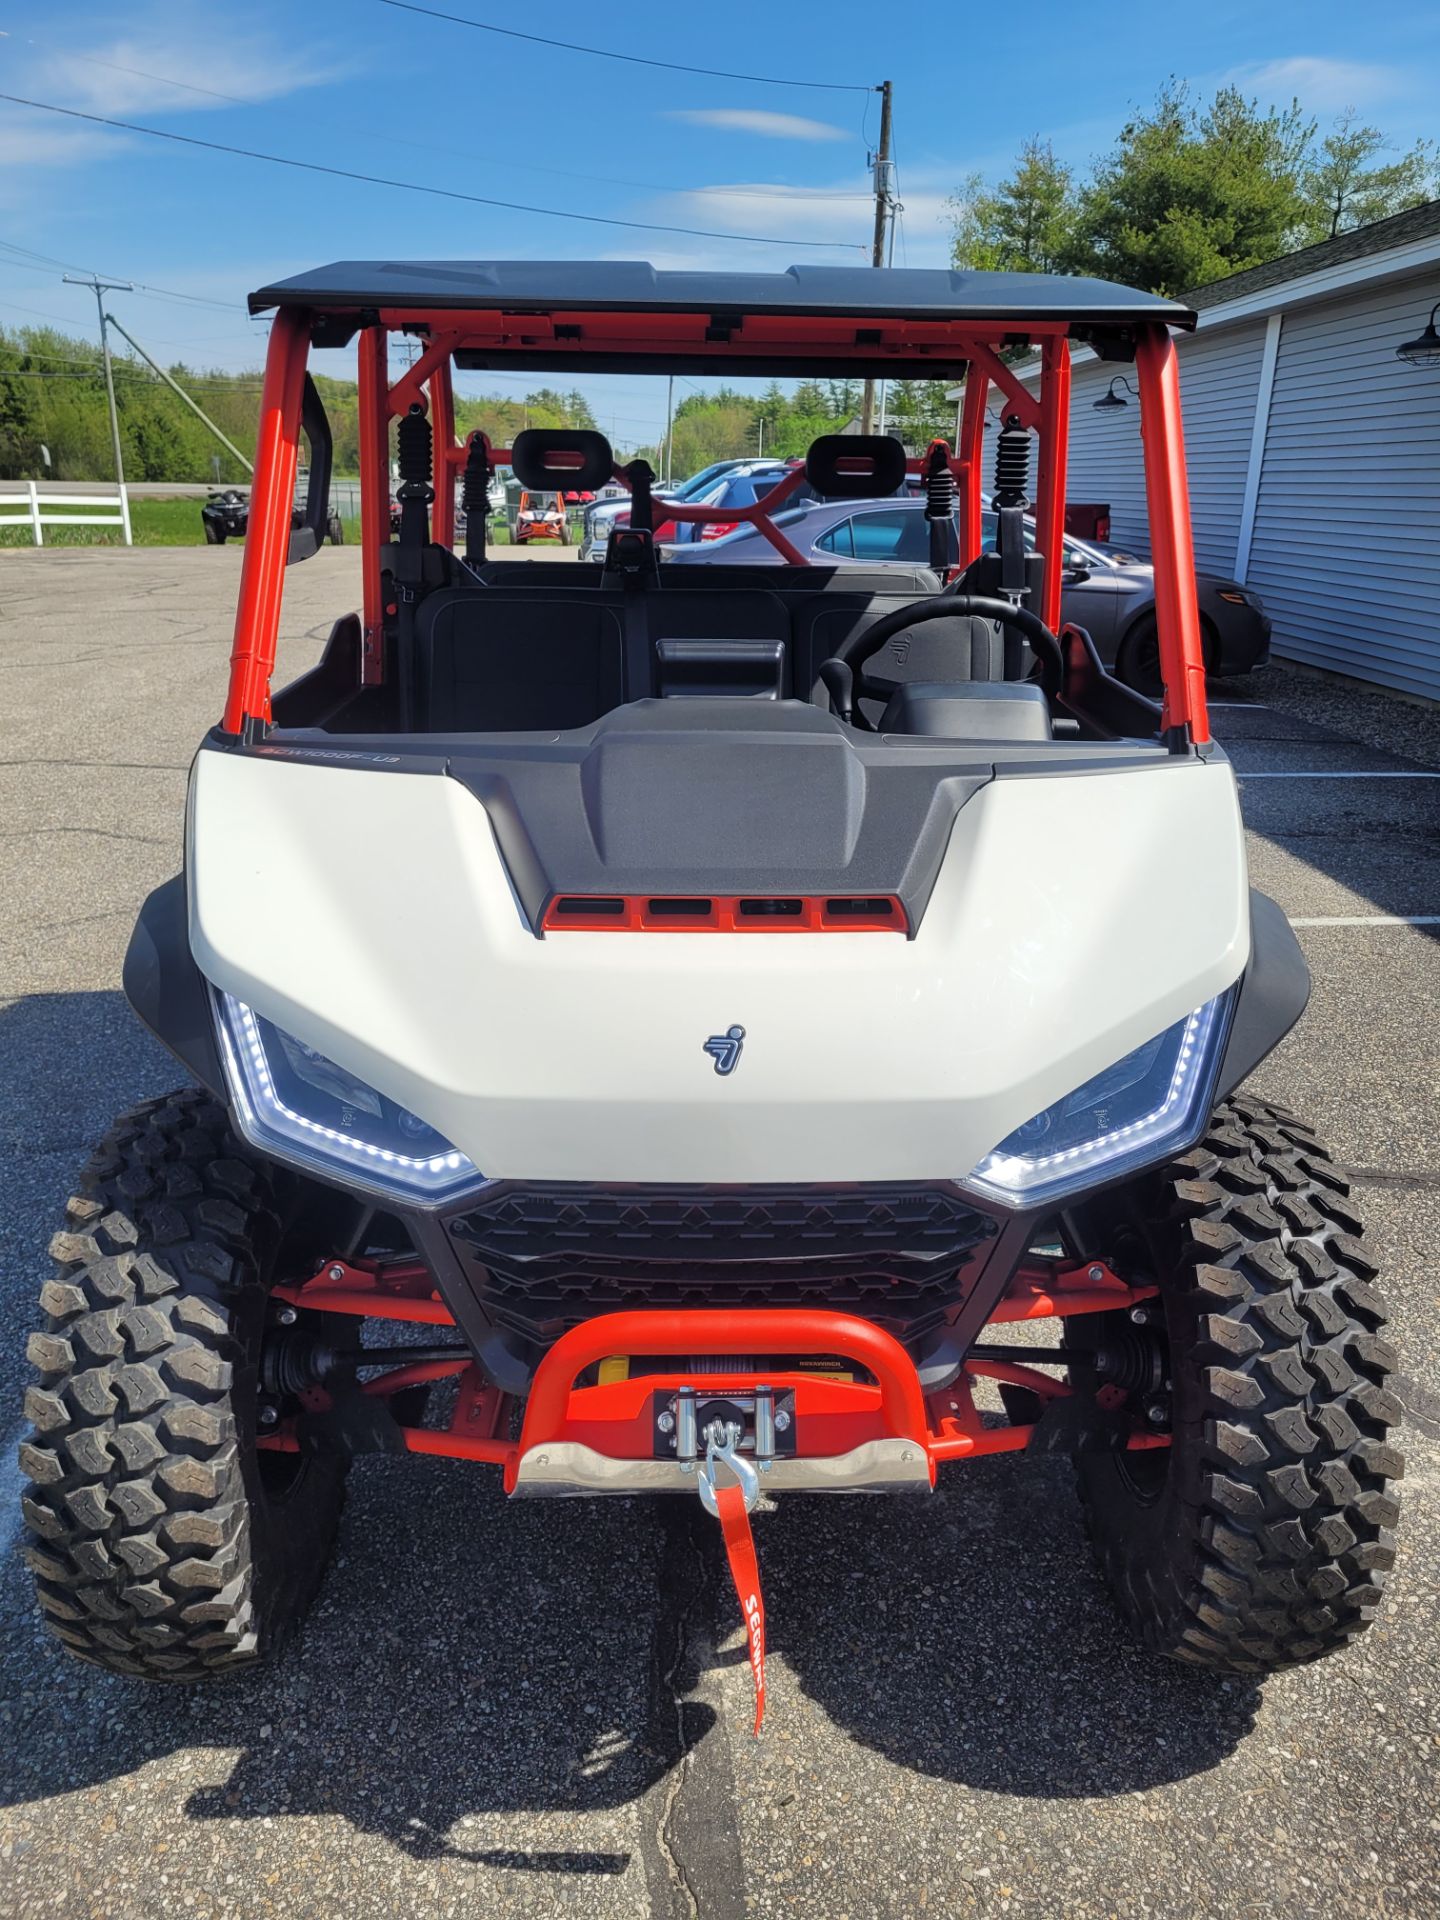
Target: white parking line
[[1419, 774], [1370, 920], [1237, 706]]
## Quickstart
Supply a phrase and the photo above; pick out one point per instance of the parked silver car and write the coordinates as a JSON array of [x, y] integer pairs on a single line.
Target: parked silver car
[[1107, 591]]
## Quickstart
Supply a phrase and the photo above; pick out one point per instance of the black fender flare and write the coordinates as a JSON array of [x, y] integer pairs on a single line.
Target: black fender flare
[[167, 989], [1271, 997]]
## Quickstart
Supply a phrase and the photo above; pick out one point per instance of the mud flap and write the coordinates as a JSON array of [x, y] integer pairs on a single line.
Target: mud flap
[[341, 1419], [1078, 1424]]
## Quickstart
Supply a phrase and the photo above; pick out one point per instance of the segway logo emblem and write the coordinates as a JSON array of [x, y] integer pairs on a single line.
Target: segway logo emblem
[[724, 1049]]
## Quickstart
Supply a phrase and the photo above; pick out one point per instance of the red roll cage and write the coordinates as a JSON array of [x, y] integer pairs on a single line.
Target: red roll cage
[[609, 338]]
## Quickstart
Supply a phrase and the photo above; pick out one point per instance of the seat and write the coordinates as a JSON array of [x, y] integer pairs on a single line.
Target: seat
[[508, 660], [741, 615], [964, 647], [977, 710]]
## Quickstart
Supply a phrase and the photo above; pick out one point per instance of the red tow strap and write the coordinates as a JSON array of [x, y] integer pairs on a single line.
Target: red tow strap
[[745, 1572]]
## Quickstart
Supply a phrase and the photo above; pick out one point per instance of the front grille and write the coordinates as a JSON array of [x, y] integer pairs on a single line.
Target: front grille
[[549, 1256]]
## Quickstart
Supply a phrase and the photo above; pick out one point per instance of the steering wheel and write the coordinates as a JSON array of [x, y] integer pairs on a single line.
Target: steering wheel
[[859, 648]]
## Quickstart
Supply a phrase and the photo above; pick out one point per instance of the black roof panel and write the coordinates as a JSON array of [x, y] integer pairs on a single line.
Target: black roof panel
[[911, 293]]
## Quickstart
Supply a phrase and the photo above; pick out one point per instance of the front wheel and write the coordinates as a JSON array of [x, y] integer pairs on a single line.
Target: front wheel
[[1261, 1536], [165, 1545]]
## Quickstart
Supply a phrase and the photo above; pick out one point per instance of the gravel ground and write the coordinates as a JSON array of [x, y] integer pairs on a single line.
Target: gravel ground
[[542, 1709], [1344, 707]]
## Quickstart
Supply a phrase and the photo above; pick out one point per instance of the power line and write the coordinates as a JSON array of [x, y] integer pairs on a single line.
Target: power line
[[459, 153], [138, 73], [140, 286], [125, 367], [65, 320], [639, 186], [89, 370], [58, 359], [410, 186], [631, 59]]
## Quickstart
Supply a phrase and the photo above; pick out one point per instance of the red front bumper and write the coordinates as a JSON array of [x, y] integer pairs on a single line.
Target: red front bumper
[[861, 1421]]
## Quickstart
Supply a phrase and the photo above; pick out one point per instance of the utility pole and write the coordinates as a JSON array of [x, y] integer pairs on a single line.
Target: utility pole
[[884, 203], [760, 450], [176, 388], [670, 431], [100, 288]]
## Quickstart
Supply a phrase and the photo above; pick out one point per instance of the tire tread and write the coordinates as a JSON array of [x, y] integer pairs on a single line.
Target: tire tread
[[140, 1514], [1281, 1459]]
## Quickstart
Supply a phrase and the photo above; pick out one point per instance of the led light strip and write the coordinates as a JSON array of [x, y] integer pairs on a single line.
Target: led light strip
[[1021, 1179], [252, 1074], [1189, 1045]]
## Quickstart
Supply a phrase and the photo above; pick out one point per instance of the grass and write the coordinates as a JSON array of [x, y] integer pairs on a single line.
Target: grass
[[155, 523]]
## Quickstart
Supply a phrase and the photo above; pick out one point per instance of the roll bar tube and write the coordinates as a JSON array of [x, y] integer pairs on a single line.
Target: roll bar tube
[[1184, 717], [1050, 474], [442, 422], [971, 453], [374, 425], [267, 531]]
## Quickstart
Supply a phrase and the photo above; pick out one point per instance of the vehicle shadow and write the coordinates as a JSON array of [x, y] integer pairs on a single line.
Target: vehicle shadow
[[465, 1657], [968, 1636], [470, 1657]]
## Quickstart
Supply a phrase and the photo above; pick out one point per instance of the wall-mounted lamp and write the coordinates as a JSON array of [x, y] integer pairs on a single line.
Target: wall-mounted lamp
[[1110, 399], [1424, 351]]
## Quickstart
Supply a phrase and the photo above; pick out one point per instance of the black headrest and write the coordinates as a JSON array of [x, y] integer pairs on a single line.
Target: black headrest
[[855, 466], [562, 459]]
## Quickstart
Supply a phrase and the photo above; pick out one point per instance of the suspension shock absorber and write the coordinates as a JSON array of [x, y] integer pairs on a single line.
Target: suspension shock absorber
[[1012, 484], [475, 496], [940, 496], [1012, 481], [414, 492], [1012, 464]]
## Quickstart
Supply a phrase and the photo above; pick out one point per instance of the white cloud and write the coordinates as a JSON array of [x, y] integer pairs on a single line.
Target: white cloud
[[1320, 85], [843, 211], [753, 207], [166, 68], [28, 139], [773, 126]]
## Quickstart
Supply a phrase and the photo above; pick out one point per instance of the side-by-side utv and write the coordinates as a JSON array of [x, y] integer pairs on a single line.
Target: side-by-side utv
[[702, 1011]]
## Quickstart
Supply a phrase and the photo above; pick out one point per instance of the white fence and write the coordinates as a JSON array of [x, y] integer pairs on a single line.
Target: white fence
[[37, 510]]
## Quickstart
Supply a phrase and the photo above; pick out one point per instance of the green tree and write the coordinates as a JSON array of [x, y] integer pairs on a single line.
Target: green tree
[[1190, 195], [577, 409], [1342, 187], [917, 412], [1025, 225], [842, 399], [20, 414], [52, 392]]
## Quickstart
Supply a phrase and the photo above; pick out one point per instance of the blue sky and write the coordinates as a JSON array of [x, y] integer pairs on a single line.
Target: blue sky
[[363, 85]]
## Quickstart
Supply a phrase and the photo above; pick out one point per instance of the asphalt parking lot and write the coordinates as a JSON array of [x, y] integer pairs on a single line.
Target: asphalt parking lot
[[544, 1709]]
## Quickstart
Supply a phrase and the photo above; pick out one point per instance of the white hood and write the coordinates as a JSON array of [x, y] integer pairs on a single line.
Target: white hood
[[368, 912]]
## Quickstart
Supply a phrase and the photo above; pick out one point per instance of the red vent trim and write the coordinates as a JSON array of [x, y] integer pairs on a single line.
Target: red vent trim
[[725, 913]]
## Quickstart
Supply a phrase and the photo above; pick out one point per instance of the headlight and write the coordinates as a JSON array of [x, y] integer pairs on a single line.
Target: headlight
[[1152, 1102], [293, 1102]]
